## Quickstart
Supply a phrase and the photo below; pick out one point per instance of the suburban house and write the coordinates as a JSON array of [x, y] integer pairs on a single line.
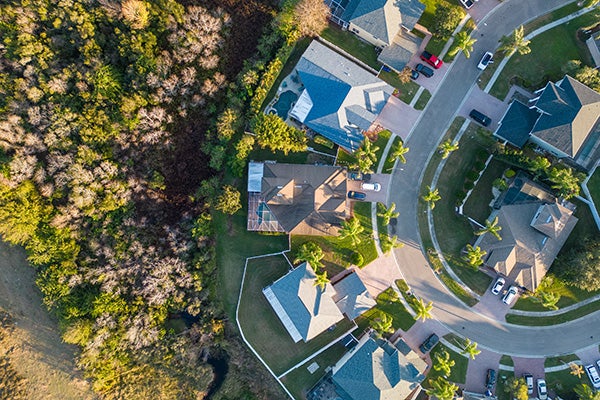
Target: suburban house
[[305, 310], [535, 226], [385, 24], [351, 296], [300, 199], [375, 369], [339, 99], [563, 119]]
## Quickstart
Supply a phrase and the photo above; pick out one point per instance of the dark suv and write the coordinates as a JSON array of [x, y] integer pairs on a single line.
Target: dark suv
[[480, 117], [425, 70], [490, 379], [428, 344]]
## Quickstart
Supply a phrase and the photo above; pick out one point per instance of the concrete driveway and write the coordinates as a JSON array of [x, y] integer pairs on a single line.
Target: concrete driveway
[[372, 196], [486, 103], [398, 117], [491, 305], [477, 370]]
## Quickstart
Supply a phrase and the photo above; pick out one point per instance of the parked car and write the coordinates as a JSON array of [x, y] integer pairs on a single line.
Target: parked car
[[414, 74], [529, 382], [356, 195], [467, 3], [431, 59], [498, 287], [359, 176], [428, 344], [375, 187], [490, 379], [509, 297], [542, 389], [425, 70], [592, 373], [480, 117], [487, 59]]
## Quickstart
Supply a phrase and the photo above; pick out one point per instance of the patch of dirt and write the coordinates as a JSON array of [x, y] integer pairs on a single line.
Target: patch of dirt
[[31, 344]]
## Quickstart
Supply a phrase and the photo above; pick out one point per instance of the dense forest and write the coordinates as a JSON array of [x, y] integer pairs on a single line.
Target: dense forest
[[117, 120]]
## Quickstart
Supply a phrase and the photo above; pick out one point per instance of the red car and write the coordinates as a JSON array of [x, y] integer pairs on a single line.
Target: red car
[[431, 59]]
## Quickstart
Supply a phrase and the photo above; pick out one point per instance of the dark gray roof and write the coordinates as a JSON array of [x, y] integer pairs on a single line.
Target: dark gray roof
[[399, 53], [295, 298], [411, 11], [370, 372], [352, 296], [517, 123]]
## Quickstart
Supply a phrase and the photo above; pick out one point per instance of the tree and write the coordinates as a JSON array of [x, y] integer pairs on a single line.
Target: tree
[[272, 132], [443, 363], [366, 156], [405, 75], [470, 349], [229, 201], [352, 229], [584, 392], [539, 166], [515, 43], [382, 323], [474, 256], [432, 197], [576, 369], [565, 181], [463, 42], [389, 243], [517, 387], [135, 12], [399, 152], [321, 280], [442, 389], [311, 17], [589, 76], [549, 299], [580, 266], [447, 147], [491, 227], [311, 253], [422, 310], [446, 18], [387, 213]]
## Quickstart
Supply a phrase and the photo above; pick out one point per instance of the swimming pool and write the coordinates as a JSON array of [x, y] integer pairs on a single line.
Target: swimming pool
[[284, 103]]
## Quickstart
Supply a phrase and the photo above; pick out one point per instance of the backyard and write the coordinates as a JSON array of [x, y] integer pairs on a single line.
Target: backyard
[[594, 187], [263, 329], [477, 205]]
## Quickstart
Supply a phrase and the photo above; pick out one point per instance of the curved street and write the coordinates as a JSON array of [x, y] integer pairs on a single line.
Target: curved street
[[423, 141]]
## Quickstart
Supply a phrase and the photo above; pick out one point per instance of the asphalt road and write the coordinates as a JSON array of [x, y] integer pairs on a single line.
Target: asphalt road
[[443, 106]]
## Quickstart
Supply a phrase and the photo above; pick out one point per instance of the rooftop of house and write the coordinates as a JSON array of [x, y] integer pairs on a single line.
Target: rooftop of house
[[400, 51], [352, 296]]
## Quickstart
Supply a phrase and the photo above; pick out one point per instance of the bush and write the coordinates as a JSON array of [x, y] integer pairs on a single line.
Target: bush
[[469, 185], [460, 196], [323, 141], [479, 165], [472, 175], [500, 184], [357, 259], [482, 155], [446, 18], [509, 173], [402, 285]]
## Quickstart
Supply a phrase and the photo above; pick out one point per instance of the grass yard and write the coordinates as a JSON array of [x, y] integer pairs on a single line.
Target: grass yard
[[562, 382], [262, 327], [406, 91], [586, 227], [554, 319], [300, 380], [346, 159], [459, 371], [552, 16], [560, 360], [550, 51], [503, 377], [594, 187], [388, 303], [477, 205], [389, 162], [350, 43], [507, 360], [423, 100]]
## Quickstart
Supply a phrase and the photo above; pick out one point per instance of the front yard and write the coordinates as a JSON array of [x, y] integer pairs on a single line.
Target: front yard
[[387, 303], [459, 371]]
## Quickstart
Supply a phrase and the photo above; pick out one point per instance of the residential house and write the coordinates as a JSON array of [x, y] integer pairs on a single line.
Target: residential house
[[375, 369], [563, 119], [304, 309], [340, 100], [300, 199], [383, 23], [534, 226], [351, 296]]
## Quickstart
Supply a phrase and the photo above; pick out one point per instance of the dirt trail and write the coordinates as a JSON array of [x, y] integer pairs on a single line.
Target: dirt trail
[[34, 347]]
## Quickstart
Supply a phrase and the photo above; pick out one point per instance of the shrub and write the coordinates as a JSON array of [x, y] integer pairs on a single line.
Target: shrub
[[469, 185], [500, 184], [472, 175], [479, 165], [323, 141], [482, 155], [509, 173], [357, 259], [402, 285]]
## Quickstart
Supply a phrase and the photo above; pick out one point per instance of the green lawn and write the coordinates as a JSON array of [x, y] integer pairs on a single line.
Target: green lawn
[[562, 382], [423, 100], [346, 159], [550, 51], [389, 162], [503, 377], [560, 360], [477, 205], [594, 187], [262, 327], [388, 304], [406, 91], [507, 360], [299, 381], [553, 16], [554, 319], [459, 371], [349, 42]]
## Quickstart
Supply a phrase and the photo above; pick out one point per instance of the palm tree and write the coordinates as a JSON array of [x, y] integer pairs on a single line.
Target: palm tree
[[584, 392], [422, 310], [549, 299], [470, 349], [382, 323], [311, 253], [321, 280], [387, 213], [443, 363], [441, 389], [491, 227], [404, 75], [366, 156], [351, 229], [389, 243], [463, 42], [576, 369], [399, 152], [515, 43], [447, 147], [564, 181], [431, 197], [539, 166], [475, 256]]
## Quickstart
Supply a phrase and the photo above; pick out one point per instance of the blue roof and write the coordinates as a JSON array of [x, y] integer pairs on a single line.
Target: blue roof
[[517, 124]]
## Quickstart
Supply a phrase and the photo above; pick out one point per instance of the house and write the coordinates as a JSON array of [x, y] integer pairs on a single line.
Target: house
[[298, 199], [563, 119], [385, 24], [304, 309], [533, 232], [340, 100], [375, 369], [352, 297]]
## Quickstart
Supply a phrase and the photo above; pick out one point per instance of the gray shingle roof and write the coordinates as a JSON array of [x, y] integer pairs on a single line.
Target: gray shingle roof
[[517, 123], [295, 298], [352, 296], [399, 53]]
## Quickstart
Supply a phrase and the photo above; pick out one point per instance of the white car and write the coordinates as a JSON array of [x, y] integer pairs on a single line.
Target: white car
[[509, 297], [487, 59], [592, 373], [375, 187], [467, 3], [542, 389], [498, 286]]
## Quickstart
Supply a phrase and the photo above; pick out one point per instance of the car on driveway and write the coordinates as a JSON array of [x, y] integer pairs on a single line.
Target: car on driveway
[[428, 344], [497, 288], [487, 59], [431, 59], [467, 3], [414, 74], [529, 382], [490, 379], [480, 117], [509, 297], [375, 187], [356, 195], [424, 70], [542, 389], [592, 373]]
